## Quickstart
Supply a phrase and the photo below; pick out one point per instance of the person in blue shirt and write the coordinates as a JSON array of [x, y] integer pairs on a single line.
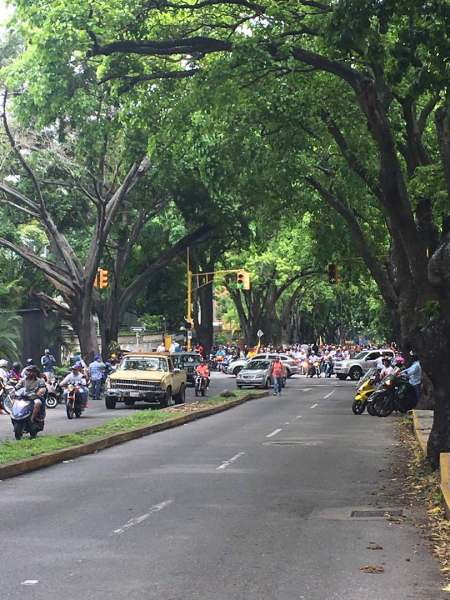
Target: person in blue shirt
[[414, 374], [97, 370], [48, 362]]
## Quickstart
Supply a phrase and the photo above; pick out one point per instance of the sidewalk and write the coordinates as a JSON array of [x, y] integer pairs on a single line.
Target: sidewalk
[[423, 421]]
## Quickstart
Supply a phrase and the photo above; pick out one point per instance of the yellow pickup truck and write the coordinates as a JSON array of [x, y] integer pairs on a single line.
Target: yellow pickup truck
[[146, 377]]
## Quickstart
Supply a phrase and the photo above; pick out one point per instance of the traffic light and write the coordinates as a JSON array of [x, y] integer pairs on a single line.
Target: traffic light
[[101, 281], [333, 275], [243, 280]]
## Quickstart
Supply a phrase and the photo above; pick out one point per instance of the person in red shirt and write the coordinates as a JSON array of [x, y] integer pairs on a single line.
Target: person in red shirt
[[203, 370], [278, 372]]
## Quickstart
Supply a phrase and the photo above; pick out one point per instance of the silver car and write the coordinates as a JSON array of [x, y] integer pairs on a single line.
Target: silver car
[[290, 363], [255, 374], [360, 364]]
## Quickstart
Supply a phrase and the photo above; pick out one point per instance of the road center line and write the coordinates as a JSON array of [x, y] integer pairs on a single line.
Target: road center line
[[227, 463], [299, 417], [329, 395], [274, 433], [305, 389], [314, 405], [142, 518]]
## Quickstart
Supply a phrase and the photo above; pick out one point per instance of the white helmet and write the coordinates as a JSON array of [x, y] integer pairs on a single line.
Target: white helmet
[[3, 363]]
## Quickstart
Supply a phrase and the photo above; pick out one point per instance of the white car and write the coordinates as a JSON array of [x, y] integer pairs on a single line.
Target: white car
[[292, 364], [360, 364]]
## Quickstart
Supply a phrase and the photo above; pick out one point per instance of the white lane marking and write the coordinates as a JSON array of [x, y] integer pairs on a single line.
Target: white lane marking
[[287, 423], [142, 518], [274, 433], [314, 405], [306, 389], [329, 395], [227, 463], [299, 417], [30, 582]]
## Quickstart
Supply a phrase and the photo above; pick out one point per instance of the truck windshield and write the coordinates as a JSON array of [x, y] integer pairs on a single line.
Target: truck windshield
[[144, 364]]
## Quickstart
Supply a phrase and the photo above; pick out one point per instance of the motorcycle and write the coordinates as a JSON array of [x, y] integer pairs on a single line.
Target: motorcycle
[[395, 394], [20, 409], [75, 404], [5, 391], [314, 369], [201, 385], [54, 393], [365, 389]]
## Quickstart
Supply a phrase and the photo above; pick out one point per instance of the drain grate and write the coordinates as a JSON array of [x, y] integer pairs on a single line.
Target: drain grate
[[365, 514]]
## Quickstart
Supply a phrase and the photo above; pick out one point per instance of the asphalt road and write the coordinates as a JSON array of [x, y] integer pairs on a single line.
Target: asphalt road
[[96, 413], [251, 504]]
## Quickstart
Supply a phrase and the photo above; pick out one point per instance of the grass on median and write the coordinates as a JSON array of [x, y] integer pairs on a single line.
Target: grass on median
[[11, 451]]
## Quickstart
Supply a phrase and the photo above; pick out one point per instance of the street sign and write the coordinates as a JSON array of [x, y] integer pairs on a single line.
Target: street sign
[[260, 333], [137, 329]]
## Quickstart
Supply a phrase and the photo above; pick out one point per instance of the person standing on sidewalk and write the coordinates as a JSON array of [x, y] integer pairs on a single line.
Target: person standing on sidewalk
[[414, 374], [278, 372], [96, 371]]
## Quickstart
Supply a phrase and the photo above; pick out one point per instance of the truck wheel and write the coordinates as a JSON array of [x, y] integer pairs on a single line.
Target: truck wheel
[[129, 402], [180, 398], [167, 400], [237, 370], [110, 402], [355, 373]]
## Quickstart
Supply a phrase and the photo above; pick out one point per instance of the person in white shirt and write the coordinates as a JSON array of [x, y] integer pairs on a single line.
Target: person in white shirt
[[4, 373], [77, 378], [387, 368]]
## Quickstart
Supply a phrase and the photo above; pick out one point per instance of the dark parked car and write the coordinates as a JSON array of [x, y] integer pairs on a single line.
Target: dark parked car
[[187, 361]]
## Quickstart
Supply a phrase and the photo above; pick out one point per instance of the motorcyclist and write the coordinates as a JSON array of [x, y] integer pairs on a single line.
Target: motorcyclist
[[202, 370], [387, 368], [34, 385], [28, 364], [15, 373], [76, 378], [4, 373]]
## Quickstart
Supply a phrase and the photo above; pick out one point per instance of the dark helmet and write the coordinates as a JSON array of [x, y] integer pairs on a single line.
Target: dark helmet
[[16, 366], [32, 370], [30, 362]]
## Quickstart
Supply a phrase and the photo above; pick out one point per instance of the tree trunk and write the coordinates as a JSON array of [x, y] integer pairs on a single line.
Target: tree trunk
[[205, 325], [85, 328], [439, 440]]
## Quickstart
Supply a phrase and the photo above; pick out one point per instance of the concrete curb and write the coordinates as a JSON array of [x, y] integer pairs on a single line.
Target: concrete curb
[[418, 431], [421, 433], [46, 460], [445, 480]]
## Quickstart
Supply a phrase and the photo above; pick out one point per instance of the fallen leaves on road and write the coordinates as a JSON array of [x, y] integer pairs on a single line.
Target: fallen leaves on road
[[374, 546], [372, 569], [422, 491]]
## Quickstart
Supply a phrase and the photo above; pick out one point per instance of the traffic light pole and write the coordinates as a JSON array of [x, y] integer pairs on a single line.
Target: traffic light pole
[[189, 303]]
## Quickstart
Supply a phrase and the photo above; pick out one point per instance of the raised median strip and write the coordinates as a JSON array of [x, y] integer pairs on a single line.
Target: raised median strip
[[423, 420], [17, 458]]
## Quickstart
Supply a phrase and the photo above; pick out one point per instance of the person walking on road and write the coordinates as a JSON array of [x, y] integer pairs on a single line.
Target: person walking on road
[[96, 372], [48, 362], [277, 373]]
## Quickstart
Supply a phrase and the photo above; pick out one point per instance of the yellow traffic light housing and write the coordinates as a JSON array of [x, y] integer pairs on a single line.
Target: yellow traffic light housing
[[101, 280], [243, 280]]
